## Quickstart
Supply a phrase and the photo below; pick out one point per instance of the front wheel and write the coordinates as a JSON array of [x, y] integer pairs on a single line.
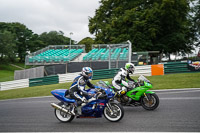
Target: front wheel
[[62, 116], [151, 103], [117, 112]]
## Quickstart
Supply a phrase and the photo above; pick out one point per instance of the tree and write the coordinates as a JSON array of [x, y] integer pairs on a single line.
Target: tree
[[22, 37], [88, 41], [54, 38], [35, 43], [161, 25], [7, 46], [21, 40], [196, 20]]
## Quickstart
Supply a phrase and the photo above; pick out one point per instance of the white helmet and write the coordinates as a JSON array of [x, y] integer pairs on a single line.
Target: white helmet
[[130, 67], [86, 71]]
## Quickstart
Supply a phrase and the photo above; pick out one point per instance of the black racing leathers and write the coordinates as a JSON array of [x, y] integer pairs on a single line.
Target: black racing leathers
[[77, 89]]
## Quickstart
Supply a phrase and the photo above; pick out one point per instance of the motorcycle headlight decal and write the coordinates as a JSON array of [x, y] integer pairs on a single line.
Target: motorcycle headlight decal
[[123, 92]]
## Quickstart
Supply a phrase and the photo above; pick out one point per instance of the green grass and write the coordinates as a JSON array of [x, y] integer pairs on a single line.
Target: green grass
[[176, 81], [6, 75], [7, 71], [170, 81]]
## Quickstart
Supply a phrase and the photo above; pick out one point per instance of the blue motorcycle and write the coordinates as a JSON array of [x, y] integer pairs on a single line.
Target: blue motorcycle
[[103, 103]]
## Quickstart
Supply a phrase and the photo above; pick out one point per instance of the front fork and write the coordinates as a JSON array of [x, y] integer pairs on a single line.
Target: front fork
[[109, 106], [147, 95]]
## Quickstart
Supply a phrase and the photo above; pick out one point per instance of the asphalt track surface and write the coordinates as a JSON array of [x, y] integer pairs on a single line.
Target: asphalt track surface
[[179, 111]]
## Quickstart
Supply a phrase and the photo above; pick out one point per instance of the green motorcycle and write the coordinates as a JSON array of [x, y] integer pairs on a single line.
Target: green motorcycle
[[137, 94]]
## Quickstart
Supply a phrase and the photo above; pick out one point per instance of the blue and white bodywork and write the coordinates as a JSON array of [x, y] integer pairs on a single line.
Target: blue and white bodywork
[[103, 103]]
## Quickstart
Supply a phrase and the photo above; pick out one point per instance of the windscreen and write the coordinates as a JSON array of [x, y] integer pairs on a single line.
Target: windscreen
[[142, 78], [102, 84]]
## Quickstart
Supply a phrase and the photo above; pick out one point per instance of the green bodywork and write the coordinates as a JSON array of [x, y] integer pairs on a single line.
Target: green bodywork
[[137, 92]]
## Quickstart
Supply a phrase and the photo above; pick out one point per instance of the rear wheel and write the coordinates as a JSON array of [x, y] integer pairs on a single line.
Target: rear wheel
[[117, 115], [151, 103], [62, 116]]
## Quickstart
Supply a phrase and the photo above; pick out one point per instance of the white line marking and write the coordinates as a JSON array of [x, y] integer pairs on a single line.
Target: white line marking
[[185, 90], [180, 98], [176, 89], [26, 98], [188, 91]]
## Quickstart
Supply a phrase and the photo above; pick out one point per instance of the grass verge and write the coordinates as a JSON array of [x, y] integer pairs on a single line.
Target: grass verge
[[170, 81], [7, 71]]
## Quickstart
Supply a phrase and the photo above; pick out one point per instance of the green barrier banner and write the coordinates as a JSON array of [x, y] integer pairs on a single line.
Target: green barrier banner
[[44, 81], [176, 67], [104, 73]]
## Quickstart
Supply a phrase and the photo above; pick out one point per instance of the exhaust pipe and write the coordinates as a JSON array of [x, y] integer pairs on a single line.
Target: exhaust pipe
[[60, 108]]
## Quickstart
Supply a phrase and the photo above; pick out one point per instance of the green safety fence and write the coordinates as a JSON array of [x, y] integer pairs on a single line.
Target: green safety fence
[[176, 67], [104, 73], [97, 74], [44, 81], [169, 67]]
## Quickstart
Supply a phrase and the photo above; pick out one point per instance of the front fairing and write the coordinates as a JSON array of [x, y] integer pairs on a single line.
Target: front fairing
[[109, 92], [148, 85], [137, 92]]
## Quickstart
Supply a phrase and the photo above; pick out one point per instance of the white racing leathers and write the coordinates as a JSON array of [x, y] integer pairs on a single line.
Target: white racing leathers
[[121, 78]]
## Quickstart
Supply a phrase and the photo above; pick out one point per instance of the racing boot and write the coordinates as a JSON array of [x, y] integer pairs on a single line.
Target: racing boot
[[79, 110], [73, 110]]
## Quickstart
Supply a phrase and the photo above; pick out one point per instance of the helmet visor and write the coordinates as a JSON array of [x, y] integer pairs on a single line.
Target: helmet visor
[[132, 69], [90, 74]]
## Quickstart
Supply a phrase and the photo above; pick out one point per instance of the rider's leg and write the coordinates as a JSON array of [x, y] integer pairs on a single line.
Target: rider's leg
[[79, 102], [118, 87], [124, 88]]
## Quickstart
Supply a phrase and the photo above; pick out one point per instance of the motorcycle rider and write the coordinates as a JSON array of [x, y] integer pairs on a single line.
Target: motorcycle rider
[[121, 78], [77, 89]]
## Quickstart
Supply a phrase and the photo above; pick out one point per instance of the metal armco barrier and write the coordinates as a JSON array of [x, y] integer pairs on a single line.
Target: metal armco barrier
[[68, 77], [22, 83], [142, 70]]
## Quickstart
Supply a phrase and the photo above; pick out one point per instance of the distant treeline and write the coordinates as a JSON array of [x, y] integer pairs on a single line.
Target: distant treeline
[[16, 40], [168, 26]]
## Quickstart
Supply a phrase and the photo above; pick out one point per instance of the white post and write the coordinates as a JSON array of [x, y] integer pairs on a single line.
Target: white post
[[70, 44], [130, 51], [109, 63]]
